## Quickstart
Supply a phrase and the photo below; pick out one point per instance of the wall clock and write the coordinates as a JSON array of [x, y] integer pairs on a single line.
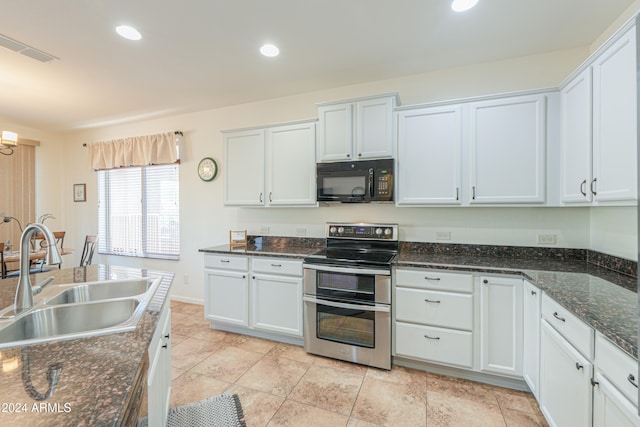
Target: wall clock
[[207, 169]]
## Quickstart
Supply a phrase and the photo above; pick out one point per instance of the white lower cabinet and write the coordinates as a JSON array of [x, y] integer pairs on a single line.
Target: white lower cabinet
[[501, 325], [610, 407], [433, 316], [159, 374], [565, 381], [257, 293], [532, 298]]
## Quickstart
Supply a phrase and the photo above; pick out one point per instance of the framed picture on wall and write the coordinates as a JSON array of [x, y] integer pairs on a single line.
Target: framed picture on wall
[[79, 192]]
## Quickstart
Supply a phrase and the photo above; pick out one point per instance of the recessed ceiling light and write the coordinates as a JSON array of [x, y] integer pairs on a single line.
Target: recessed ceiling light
[[462, 5], [269, 50], [128, 32]]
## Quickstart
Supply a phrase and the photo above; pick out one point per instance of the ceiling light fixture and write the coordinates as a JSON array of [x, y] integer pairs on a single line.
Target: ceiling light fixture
[[269, 50], [128, 32], [462, 5], [9, 140]]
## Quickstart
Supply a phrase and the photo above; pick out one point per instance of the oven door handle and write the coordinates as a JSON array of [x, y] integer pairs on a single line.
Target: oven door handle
[[363, 307], [347, 270]]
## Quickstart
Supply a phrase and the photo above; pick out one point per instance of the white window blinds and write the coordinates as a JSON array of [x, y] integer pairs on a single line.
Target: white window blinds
[[139, 212]]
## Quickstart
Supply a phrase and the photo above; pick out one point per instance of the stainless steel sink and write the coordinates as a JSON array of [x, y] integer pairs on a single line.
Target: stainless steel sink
[[72, 321], [96, 291]]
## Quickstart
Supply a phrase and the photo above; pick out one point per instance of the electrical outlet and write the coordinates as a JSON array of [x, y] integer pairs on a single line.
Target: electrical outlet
[[264, 229], [443, 235], [185, 280], [546, 239], [301, 231]]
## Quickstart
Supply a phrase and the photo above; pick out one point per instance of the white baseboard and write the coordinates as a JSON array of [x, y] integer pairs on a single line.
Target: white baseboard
[[187, 300]]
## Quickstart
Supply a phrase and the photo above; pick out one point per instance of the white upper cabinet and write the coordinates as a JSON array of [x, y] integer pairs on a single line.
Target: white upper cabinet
[[357, 129], [291, 165], [507, 150], [274, 166], [576, 139], [429, 163], [614, 121], [244, 168]]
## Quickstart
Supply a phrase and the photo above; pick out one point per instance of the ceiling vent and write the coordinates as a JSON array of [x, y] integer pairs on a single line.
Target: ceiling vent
[[25, 49]]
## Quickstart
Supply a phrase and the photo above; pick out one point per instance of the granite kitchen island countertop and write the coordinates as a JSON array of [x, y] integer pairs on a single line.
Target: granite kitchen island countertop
[[98, 373]]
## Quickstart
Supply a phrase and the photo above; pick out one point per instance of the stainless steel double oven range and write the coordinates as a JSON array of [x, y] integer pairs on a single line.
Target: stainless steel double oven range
[[347, 294]]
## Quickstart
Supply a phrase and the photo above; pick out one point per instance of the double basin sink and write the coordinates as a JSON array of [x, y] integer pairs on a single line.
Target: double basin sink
[[78, 310]]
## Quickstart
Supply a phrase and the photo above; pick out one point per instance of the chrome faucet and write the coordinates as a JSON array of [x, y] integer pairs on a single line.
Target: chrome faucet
[[24, 292]]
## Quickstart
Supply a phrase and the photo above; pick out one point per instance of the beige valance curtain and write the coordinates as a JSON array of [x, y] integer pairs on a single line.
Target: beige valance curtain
[[134, 151]]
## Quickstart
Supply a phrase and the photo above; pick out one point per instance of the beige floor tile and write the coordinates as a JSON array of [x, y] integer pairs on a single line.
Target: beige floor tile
[[177, 339], [187, 324], [327, 362], [515, 418], [206, 333], [354, 422], [176, 372], [328, 388], [445, 409], [293, 352], [227, 364], [190, 309], [193, 387], [294, 414], [258, 407], [400, 375], [246, 342], [274, 375], [462, 388], [191, 351], [391, 404], [514, 399]]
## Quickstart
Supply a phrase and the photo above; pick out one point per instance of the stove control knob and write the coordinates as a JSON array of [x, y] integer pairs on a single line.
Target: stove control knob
[[332, 230], [387, 232], [378, 231], [340, 230]]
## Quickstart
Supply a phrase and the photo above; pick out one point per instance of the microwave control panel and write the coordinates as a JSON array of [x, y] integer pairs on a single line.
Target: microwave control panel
[[385, 186]]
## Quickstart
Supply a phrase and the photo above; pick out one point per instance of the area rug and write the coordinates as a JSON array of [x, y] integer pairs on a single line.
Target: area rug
[[223, 410]]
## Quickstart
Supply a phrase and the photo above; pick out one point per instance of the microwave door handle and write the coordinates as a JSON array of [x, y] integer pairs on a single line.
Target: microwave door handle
[[382, 308], [371, 187]]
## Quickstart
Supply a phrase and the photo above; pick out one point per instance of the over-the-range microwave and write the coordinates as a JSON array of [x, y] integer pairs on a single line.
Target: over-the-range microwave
[[355, 181]]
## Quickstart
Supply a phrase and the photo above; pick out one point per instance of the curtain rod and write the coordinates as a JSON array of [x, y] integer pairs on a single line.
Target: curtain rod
[[178, 132]]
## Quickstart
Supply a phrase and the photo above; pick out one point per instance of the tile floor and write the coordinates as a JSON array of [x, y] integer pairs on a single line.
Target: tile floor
[[281, 385]]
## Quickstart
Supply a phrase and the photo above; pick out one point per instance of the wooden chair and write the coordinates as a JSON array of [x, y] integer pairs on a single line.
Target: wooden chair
[[38, 242], [87, 251], [3, 266]]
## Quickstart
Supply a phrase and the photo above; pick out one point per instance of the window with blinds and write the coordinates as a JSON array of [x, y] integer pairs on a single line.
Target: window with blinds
[[139, 212]]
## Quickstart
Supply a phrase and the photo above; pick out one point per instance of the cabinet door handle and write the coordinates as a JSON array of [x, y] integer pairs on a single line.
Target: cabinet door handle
[[244, 276], [632, 380], [593, 184], [473, 192], [359, 154], [485, 281], [260, 197], [579, 366], [534, 293], [270, 197], [167, 336], [583, 185], [431, 338], [431, 278], [348, 155], [594, 383], [165, 346], [457, 193], [562, 319], [433, 301]]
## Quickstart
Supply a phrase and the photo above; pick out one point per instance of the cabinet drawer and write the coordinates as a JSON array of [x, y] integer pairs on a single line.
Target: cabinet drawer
[[225, 262], [439, 345], [277, 266], [434, 279], [580, 335], [619, 367], [446, 309]]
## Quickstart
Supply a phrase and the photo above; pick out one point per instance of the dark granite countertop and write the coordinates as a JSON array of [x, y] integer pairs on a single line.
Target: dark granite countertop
[[602, 298], [97, 372]]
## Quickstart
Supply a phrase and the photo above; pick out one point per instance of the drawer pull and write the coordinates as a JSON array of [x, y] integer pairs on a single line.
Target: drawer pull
[[579, 366], [632, 380], [431, 338], [534, 293], [594, 383], [562, 319], [167, 336], [276, 265], [431, 278], [224, 260], [165, 346], [433, 301]]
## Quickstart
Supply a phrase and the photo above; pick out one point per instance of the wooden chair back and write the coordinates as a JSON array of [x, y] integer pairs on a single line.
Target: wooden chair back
[[87, 251]]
